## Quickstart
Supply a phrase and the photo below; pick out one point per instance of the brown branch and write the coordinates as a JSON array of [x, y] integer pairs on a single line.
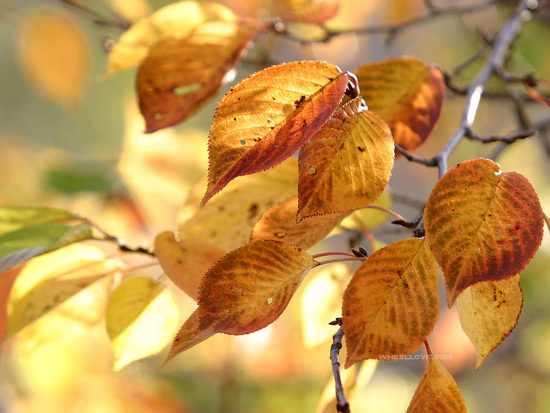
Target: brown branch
[[342, 404], [508, 139], [98, 18]]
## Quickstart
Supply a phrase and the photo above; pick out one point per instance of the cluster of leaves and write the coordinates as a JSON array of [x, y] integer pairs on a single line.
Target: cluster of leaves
[[241, 253]]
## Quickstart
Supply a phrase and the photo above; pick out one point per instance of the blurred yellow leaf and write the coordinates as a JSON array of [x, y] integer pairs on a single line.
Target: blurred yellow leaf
[[176, 19], [489, 311], [308, 11], [131, 10], [141, 319], [55, 56]]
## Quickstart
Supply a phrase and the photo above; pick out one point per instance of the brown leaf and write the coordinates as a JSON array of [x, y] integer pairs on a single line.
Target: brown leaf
[[172, 83], [390, 305], [269, 116], [407, 94], [347, 164], [482, 224], [279, 223]]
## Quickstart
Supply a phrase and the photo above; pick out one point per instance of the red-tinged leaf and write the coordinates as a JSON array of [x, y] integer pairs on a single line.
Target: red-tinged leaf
[[279, 223], [482, 224], [437, 392], [251, 286], [308, 11], [347, 164], [269, 116], [186, 261], [489, 312], [189, 335], [390, 305], [407, 94], [172, 84]]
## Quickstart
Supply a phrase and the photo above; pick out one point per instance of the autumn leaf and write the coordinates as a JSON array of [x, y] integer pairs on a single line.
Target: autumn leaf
[[186, 261], [228, 219], [267, 117], [308, 11], [390, 305], [179, 19], [251, 286], [279, 223], [406, 93], [482, 224], [140, 320], [55, 56], [437, 392], [172, 83], [347, 164], [489, 311]]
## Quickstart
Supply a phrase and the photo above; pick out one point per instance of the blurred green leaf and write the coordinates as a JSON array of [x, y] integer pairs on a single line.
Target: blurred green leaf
[[70, 180], [13, 218]]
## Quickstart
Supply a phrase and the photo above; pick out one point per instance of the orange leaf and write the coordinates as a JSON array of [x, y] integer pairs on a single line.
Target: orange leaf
[[482, 224], [437, 392], [172, 83], [347, 164], [390, 305], [407, 94], [308, 11], [279, 223], [251, 286], [489, 311], [185, 262], [269, 116]]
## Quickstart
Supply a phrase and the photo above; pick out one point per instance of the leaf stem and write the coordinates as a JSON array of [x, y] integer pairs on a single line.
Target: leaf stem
[[388, 211], [341, 260]]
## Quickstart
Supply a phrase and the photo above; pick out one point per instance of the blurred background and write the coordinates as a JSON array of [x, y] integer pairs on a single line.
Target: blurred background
[[72, 137]]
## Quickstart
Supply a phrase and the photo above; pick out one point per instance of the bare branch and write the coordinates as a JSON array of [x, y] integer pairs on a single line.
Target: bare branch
[[508, 139], [97, 17], [342, 404]]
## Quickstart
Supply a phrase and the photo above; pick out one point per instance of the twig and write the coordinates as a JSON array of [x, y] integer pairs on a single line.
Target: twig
[[508, 139], [414, 158], [98, 18], [342, 404]]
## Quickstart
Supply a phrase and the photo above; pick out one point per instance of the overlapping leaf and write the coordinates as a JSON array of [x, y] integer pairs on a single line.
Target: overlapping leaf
[[482, 224], [141, 318], [390, 305], [228, 219], [172, 83], [251, 286], [269, 116], [347, 164], [186, 261], [308, 11], [437, 392], [489, 311], [279, 223], [406, 93], [175, 19]]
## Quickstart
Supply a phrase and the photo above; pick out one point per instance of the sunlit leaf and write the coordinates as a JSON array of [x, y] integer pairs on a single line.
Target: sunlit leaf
[[437, 392], [141, 318], [279, 223], [172, 83], [251, 286], [390, 305], [49, 280], [227, 220], [308, 11], [55, 56], [175, 19], [489, 311], [347, 164], [269, 116], [406, 93], [186, 261], [12, 218], [482, 224]]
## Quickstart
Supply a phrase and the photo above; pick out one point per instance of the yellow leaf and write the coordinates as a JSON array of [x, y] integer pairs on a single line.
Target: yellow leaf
[[437, 392], [347, 164], [55, 56], [308, 11], [390, 305], [228, 219], [175, 19], [49, 280], [489, 311], [267, 117], [141, 319]]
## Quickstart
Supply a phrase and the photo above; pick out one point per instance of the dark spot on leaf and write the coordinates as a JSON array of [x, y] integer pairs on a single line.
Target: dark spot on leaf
[[234, 119], [361, 149], [252, 211], [518, 226], [300, 101]]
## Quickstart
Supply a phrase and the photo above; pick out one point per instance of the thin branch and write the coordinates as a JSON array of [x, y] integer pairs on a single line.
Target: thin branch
[[122, 246], [97, 17], [342, 404], [508, 139]]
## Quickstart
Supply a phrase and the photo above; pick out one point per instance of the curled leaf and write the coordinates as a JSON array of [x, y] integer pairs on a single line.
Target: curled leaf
[[267, 117], [482, 224]]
